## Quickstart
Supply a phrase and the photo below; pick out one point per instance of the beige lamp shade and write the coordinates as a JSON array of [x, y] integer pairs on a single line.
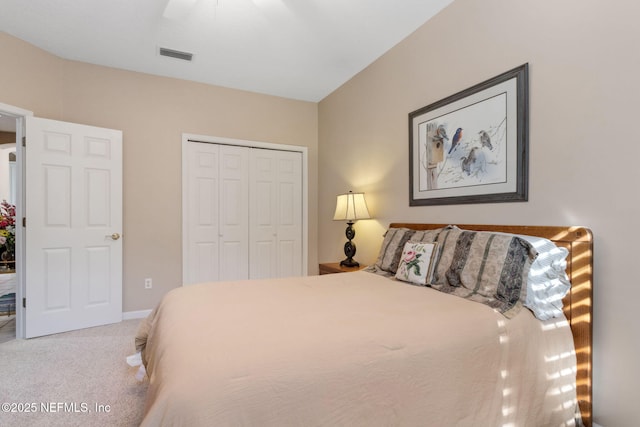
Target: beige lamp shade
[[350, 207]]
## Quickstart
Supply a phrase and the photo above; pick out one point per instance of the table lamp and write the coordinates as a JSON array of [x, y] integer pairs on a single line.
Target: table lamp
[[350, 207]]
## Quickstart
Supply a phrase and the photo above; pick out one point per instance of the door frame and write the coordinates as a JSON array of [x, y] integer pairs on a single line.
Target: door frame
[[19, 114], [194, 138]]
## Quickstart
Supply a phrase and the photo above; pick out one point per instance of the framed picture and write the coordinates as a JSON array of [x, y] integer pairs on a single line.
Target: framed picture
[[472, 147]]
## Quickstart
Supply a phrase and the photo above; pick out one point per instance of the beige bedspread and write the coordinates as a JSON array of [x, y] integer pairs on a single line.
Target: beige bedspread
[[352, 349]]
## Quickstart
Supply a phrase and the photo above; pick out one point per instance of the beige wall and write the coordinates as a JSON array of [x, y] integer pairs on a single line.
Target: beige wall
[[584, 92], [153, 112]]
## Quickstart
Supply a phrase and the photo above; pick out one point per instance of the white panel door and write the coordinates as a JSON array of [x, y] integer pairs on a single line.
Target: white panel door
[[202, 230], [275, 188], [234, 213], [73, 206], [289, 214], [263, 230], [216, 204]]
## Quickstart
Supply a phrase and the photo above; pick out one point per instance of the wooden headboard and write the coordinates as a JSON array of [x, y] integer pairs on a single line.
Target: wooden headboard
[[578, 304]]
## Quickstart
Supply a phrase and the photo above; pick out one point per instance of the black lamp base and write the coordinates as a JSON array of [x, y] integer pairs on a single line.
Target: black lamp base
[[350, 247], [349, 262]]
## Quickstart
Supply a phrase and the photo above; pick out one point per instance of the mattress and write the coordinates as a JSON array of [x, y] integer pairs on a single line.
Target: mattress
[[347, 350]]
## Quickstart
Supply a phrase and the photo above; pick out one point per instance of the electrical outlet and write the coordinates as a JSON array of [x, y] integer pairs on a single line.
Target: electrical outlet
[[148, 283]]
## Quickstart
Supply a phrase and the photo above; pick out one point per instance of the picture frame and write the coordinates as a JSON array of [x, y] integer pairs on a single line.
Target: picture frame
[[472, 147]]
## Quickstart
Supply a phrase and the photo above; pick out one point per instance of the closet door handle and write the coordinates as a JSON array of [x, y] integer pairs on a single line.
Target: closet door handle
[[114, 236]]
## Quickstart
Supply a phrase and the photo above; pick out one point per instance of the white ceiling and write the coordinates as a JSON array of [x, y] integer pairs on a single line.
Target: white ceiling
[[299, 49]]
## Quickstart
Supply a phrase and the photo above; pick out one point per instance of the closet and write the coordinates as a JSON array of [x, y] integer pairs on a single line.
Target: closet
[[242, 212]]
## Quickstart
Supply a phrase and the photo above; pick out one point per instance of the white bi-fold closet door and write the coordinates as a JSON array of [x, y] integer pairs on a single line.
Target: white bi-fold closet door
[[275, 213], [242, 213]]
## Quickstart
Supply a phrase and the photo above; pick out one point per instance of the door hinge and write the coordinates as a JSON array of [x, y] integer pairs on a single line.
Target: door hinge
[[24, 141], [24, 221], [24, 302]]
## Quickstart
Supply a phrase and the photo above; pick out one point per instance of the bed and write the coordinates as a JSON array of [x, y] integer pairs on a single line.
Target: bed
[[365, 348]]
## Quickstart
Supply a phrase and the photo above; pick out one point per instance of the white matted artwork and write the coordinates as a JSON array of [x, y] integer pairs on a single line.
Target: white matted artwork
[[472, 146]]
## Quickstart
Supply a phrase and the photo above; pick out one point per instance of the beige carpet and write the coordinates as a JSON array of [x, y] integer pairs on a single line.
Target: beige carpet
[[71, 373]]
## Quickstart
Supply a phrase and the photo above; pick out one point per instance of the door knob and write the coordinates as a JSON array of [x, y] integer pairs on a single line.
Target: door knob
[[114, 236]]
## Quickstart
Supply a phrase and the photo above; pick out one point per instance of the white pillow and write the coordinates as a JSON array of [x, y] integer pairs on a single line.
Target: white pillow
[[416, 262], [547, 283]]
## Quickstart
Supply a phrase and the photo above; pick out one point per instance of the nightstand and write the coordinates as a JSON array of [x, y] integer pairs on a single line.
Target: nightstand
[[335, 267]]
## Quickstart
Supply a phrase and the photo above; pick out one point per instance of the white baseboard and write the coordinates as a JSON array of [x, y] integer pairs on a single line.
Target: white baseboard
[[140, 314], [596, 425]]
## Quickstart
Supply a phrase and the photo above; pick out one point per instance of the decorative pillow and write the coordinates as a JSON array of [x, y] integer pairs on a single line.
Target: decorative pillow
[[391, 249], [490, 268], [427, 236], [416, 263], [446, 240], [547, 281], [393, 244]]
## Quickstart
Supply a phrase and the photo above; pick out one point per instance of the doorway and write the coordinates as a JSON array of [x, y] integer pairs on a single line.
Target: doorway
[[74, 272], [11, 205], [8, 279]]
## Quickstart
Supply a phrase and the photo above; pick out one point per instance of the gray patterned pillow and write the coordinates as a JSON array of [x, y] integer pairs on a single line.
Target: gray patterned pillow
[[394, 241], [426, 236], [391, 249], [447, 239], [491, 268]]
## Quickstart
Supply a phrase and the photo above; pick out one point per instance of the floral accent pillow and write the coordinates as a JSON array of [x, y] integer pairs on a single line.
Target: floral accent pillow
[[416, 262]]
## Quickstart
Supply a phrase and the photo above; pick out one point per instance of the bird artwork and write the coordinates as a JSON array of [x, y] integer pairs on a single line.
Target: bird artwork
[[456, 139], [441, 133], [485, 140], [469, 160], [474, 162]]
